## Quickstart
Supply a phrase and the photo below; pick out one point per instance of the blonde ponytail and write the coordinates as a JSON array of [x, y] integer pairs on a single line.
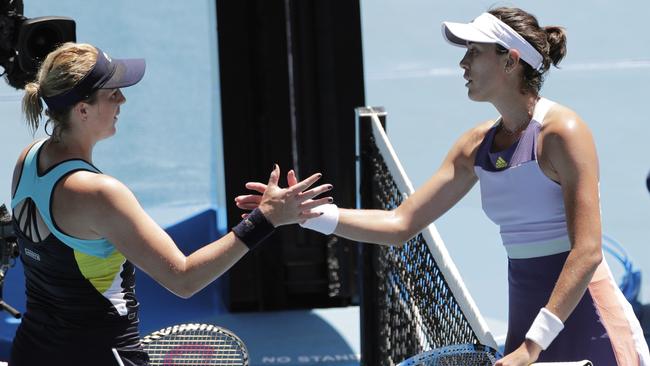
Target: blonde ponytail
[[32, 105], [60, 71]]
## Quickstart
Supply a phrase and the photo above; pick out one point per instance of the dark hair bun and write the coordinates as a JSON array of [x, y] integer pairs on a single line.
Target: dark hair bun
[[557, 43]]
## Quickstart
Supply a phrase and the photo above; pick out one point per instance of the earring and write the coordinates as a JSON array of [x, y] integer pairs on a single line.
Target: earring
[[47, 123]]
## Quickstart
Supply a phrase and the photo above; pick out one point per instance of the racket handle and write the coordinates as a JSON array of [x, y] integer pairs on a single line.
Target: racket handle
[[8, 308]]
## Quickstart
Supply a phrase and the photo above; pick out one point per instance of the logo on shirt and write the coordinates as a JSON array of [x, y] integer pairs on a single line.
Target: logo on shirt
[[501, 163], [32, 254]]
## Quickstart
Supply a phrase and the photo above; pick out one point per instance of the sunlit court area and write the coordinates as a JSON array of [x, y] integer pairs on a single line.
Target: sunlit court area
[[374, 97]]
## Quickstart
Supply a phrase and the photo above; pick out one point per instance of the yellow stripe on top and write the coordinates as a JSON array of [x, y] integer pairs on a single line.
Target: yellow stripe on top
[[100, 272]]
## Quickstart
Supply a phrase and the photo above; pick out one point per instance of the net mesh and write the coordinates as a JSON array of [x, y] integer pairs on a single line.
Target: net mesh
[[414, 309]]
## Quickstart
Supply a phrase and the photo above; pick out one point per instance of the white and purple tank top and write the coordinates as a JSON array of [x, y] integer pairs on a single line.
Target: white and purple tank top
[[529, 208], [517, 195]]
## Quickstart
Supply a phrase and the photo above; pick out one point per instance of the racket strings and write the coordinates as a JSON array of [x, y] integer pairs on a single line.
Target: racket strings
[[195, 348], [474, 359], [455, 355]]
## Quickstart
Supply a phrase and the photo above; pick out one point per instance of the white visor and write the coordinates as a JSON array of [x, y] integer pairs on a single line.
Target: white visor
[[489, 29]]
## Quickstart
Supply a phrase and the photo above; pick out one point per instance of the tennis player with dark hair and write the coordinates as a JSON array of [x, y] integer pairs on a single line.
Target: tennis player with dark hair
[[81, 232], [538, 173]]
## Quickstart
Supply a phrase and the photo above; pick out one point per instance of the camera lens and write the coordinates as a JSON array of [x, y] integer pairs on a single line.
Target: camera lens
[[42, 40], [38, 37]]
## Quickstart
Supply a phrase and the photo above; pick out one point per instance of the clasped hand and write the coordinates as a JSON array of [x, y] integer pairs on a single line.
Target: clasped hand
[[283, 206]]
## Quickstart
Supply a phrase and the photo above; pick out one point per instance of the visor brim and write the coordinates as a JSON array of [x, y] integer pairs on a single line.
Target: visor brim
[[458, 34], [128, 72]]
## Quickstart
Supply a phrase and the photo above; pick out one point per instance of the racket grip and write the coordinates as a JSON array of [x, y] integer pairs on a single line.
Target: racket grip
[[8, 308]]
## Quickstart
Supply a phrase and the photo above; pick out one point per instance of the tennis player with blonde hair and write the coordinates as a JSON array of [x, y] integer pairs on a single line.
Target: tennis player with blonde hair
[[81, 231]]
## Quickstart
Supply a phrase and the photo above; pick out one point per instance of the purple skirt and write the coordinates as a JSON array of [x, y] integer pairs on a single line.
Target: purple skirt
[[585, 334]]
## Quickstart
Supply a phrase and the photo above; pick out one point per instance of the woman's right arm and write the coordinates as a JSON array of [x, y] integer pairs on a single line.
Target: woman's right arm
[[443, 190], [117, 216]]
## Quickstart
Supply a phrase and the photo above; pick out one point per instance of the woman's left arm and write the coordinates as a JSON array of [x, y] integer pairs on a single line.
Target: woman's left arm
[[569, 149], [568, 156]]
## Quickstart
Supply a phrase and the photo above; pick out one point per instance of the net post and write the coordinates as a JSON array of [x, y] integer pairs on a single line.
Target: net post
[[367, 252]]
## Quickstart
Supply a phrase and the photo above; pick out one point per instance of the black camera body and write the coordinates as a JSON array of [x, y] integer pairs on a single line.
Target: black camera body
[[8, 241], [24, 42], [8, 251]]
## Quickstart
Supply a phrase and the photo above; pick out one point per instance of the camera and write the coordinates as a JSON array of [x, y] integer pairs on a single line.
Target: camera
[[8, 241], [8, 251], [24, 42]]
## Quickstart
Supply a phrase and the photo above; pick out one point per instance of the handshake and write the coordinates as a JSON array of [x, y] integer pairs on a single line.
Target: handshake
[[319, 214]]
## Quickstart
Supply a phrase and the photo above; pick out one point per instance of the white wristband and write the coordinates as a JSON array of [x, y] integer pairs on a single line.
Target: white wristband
[[545, 328], [325, 223]]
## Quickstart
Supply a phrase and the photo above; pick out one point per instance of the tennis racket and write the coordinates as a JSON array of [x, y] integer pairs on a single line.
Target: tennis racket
[[195, 344], [455, 355], [469, 355]]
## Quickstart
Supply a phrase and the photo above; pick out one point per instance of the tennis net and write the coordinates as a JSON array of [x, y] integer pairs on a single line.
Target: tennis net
[[413, 298]]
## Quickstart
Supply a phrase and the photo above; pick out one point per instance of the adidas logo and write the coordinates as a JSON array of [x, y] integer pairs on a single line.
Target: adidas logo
[[501, 163]]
